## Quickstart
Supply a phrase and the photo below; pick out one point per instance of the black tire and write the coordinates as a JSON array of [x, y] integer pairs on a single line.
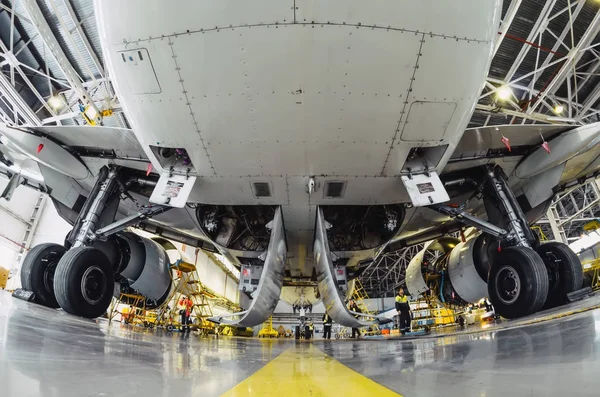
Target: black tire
[[587, 280], [84, 266], [38, 270], [565, 273], [518, 282]]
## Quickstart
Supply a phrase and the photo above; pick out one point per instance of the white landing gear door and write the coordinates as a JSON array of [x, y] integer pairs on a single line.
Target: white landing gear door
[[173, 189], [425, 189]]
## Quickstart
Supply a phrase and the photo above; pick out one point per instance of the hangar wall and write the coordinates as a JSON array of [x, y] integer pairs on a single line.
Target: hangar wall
[[28, 210], [215, 278]]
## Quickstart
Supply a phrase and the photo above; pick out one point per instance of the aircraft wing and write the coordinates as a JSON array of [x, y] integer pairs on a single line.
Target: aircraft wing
[[76, 148], [122, 141], [507, 145], [535, 174]]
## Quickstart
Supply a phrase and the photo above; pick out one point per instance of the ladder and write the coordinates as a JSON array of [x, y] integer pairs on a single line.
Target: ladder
[[31, 226], [188, 284], [540, 233], [32, 223], [359, 295]]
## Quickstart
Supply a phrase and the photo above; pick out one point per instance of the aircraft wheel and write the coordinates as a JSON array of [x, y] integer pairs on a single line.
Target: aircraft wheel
[[565, 273], [84, 282], [518, 282], [37, 272], [588, 279]]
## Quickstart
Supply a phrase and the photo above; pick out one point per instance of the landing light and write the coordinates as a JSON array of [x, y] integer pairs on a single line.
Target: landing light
[[503, 93], [558, 109]]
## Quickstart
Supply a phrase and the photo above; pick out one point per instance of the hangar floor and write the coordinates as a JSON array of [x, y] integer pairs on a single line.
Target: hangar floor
[[48, 353]]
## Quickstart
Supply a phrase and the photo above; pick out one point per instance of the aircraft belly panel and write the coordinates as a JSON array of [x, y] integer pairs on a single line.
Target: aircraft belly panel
[[291, 190], [136, 20], [249, 97], [438, 17]]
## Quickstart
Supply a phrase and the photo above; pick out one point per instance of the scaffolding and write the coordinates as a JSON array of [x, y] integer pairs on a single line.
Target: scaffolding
[[591, 274], [136, 313], [187, 284], [359, 295], [429, 313]]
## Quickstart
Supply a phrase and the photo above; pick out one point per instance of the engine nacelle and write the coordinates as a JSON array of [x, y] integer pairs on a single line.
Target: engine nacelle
[[451, 270], [464, 275], [143, 265]]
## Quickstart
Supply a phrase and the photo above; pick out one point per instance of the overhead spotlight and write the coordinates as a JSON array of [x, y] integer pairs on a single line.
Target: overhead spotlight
[[55, 102], [558, 109], [503, 93]]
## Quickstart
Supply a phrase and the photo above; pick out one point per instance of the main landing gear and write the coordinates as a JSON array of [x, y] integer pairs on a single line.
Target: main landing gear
[[80, 276], [524, 275]]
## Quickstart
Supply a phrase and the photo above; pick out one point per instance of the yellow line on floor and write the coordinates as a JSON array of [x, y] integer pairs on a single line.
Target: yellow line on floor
[[307, 371]]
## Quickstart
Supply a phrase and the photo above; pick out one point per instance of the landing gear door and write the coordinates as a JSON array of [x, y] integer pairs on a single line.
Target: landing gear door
[[173, 189], [425, 189]]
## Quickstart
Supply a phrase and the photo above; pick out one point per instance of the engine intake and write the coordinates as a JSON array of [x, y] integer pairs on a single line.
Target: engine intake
[[452, 271]]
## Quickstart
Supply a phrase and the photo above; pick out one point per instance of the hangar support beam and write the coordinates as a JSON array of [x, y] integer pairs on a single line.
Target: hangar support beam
[[571, 210]]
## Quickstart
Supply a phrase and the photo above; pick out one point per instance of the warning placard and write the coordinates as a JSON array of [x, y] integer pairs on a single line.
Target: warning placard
[[172, 189], [426, 187]]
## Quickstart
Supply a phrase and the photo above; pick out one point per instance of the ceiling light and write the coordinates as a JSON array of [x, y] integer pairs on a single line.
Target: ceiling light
[[503, 93], [558, 109], [55, 102]]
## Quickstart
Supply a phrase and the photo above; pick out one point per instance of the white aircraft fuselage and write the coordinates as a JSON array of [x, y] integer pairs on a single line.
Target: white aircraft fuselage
[[293, 93]]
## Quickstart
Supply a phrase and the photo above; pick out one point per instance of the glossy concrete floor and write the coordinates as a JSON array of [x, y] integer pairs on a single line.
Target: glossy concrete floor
[[45, 352]]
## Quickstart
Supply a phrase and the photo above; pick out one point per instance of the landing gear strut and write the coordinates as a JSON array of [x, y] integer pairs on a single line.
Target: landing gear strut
[[81, 279], [524, 276]]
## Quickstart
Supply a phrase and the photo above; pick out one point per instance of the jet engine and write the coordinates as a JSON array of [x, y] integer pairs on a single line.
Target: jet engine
[[451, 271], [141, 267]]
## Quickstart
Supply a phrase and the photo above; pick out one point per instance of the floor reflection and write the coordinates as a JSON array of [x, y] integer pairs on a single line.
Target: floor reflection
[[549, 359], [49, 353]]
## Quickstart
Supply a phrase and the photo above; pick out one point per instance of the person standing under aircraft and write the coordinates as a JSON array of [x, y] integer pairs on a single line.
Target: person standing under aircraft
[[327, 322], [185, 312], [403, 309], [353, 307]]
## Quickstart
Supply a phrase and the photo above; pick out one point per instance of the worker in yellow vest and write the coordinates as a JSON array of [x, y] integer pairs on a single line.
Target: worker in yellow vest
[[327, 321], [403, 309]]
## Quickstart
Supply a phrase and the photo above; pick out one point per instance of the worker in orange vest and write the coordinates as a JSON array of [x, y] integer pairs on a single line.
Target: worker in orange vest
[[186, 311]]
